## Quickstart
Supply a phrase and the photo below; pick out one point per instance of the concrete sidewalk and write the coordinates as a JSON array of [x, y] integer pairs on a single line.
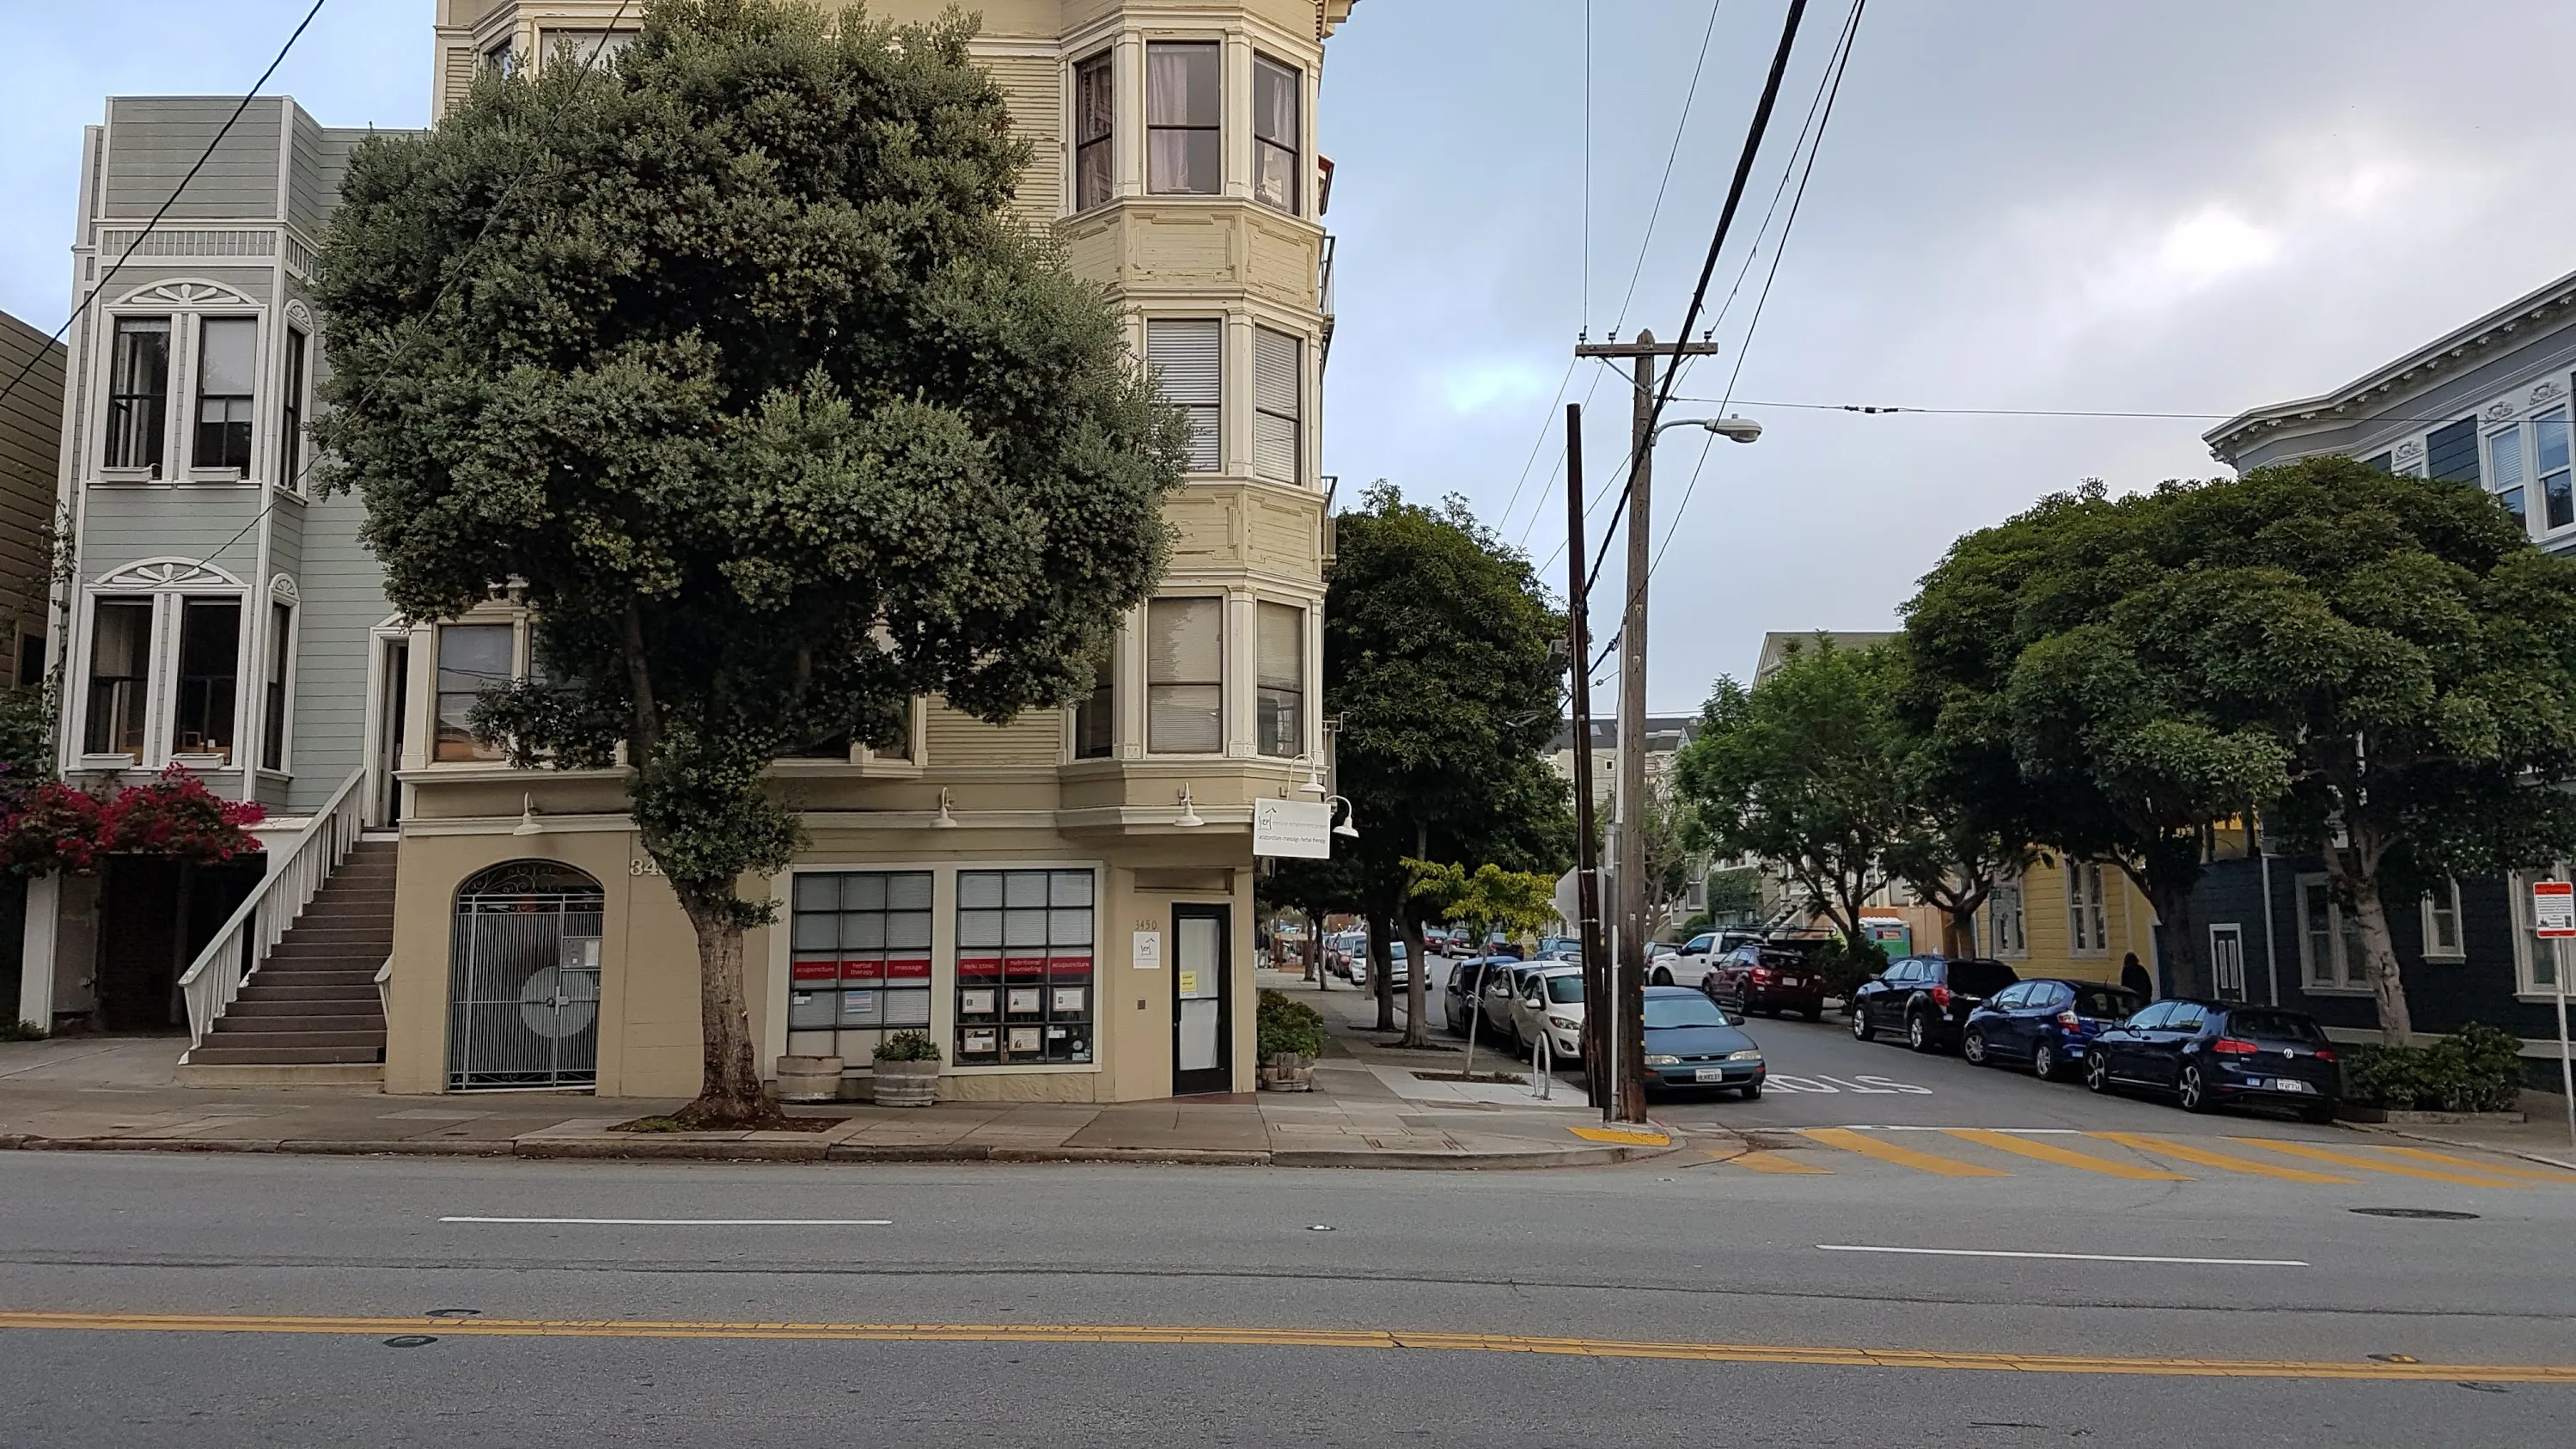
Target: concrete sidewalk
[[119, 1094], [2543, 1137]]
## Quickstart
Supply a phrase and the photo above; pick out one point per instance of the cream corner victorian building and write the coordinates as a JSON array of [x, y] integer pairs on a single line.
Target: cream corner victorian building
[[1064, 903]]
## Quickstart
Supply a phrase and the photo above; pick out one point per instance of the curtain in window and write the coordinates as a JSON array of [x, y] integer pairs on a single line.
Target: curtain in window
[[1185, 676], [1185, 354], [1275, 393], [1093, 118], [1274, 135], [1183, 120]]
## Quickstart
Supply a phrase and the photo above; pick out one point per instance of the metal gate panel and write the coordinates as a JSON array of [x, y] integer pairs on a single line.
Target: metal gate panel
[[523, 994]]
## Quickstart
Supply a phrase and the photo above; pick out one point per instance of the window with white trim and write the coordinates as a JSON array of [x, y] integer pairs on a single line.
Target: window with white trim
[[1275, 134], [1186, 354], [1185, 676], [1094, 124], [2086, 933], [290, 414], [2441, 921], [1184, 118], [138, 392], [120, 675], [1278, 384], [2004, 916], [1279, 723], [861, 960], [472, 658], [281, 642], [2331, 956], [208, 701], [2536, 962], [227, 361], [1024, 967]]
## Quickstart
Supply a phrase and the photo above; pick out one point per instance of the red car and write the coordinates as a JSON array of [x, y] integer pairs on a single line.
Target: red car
[[1769, 978]]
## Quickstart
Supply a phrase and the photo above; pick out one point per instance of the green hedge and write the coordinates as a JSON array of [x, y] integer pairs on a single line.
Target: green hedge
[[1846, 964], [1283, 1025], [2475, 1069]]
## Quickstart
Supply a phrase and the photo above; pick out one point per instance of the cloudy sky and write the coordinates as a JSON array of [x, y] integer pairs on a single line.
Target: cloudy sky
[[2194, 208]]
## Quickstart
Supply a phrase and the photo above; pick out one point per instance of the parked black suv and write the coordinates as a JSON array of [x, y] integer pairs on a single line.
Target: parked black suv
[[2209, 1052], [1926, 997]]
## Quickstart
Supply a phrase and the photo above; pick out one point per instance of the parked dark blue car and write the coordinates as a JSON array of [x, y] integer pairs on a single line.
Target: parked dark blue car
[[1691, 1043], [2046, 1024], [2209, 1053]]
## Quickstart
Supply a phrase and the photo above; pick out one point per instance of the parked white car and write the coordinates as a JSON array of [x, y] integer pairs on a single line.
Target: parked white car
[[1552, 1002], [1688, 966]]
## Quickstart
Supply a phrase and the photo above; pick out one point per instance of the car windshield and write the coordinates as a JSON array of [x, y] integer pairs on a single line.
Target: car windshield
[[1980, 978], [2277, 1025], [2104, 1001], [1667, 1011], [1567, 989]]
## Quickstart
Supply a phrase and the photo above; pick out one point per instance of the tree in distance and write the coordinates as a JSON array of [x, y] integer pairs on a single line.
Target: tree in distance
[[1485, 900], [726, 355]]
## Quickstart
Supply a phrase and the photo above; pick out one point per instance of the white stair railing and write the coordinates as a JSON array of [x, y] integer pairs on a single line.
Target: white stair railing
[[294, 877]]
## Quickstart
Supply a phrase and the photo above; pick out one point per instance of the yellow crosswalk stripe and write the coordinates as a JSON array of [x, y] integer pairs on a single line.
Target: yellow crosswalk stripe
[[2043, 1152], [2567, 1179], [2346, 1159], [1772, 1162], [2201, 1157], [1850, 1141]]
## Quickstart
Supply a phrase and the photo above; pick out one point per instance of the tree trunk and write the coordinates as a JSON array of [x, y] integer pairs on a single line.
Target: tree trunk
[[729, 1092], [1315, 971], [1381, 933], [1963, 932], [2387, 983], [1417, 973]]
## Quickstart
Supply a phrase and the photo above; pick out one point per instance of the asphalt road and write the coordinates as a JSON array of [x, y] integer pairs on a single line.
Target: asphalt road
[[1281, 1326]]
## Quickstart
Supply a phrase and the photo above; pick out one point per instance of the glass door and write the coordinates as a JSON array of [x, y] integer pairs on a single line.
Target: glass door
[[1202, 1014]]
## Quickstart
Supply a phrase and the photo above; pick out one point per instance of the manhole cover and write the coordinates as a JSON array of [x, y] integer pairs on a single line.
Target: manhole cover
[[2435, 1214], [410, 1340]]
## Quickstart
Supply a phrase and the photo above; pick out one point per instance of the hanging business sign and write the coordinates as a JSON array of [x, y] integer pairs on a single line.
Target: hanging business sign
[[1293, 829], [2553, 908]]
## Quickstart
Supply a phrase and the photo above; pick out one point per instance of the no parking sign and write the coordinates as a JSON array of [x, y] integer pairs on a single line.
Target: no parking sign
[[2553, 908]]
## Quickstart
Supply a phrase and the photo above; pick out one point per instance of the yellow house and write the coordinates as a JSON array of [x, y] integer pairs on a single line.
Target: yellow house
[[1064, 903], [2075, 919]]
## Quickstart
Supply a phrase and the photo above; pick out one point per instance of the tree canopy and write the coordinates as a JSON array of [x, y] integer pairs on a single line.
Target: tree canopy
[[728, 354]]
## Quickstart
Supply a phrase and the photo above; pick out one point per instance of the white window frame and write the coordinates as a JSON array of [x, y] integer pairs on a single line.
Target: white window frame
[[2009, 927], [282, 594], [2087, 918], [1225, 641], [1279, 399], [167, 582], [2440, 901], [2339, 974]]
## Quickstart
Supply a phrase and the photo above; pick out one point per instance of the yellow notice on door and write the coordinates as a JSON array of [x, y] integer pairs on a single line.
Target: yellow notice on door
[[1189, 983]]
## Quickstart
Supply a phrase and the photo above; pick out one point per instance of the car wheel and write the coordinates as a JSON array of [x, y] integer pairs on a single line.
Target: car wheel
[[1918, 1032], [2097, 1073], [1663, 977], [2194, 1090], [2043, 1061], [1860, 1024], [1753, 1092], [1973, 1047]]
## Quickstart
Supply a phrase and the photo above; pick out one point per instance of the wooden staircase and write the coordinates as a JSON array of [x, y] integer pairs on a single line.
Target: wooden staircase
[[313, 1003]]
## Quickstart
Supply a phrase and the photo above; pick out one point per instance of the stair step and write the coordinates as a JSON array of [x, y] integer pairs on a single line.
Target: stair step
[[247, 1007], [300, 1040], [212, 1055], [232, 1028], [262, 990]]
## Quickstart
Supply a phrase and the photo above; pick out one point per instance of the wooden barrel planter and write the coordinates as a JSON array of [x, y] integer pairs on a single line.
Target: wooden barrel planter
[[907, 1084], [1288, 1072], [809, 1079]]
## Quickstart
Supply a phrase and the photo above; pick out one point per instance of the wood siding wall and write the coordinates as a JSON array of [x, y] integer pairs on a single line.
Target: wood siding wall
[[31, 421]]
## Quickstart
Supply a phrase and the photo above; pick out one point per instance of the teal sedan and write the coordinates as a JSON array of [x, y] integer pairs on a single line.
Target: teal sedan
[[1691, 1043]]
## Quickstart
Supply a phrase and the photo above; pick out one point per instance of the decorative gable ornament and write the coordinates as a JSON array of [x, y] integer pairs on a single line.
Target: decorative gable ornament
[[2411, 448], [2544, 392], [2499, 411], [185, 292], [168, 573]]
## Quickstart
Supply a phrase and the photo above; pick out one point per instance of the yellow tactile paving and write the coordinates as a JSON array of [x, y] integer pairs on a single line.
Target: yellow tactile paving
[[1773, 1162], [2045, 1152], [2564, 1179], [1868, 1146], [2224, 1162], [1614, 1134], [2346, 1159]]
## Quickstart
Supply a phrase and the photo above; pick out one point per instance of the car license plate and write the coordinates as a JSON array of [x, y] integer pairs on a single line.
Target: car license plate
[[1793, 981], [1710, 1074], [2290, 1084]]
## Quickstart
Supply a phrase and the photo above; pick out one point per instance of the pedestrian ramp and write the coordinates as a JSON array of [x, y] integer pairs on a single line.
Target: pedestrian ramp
[[1986, 1153]]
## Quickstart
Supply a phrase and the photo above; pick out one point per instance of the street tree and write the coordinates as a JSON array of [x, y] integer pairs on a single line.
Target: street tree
[[1484, 900], [2043, 689], [1438, 662], [727, 356]]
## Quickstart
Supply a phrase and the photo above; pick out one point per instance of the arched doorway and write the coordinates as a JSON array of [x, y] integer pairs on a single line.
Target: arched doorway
[[523, 978]]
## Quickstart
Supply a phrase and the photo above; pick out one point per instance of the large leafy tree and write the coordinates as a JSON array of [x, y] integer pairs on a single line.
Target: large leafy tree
[[729, 355], [2042, 688], [1439, 663]]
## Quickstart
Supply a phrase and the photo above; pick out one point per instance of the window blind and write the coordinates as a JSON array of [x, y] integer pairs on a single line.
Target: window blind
[[1275, 394], [1186, 354]]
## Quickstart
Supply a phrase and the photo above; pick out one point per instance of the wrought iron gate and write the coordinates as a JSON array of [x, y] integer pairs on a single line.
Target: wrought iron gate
[[523, 979]]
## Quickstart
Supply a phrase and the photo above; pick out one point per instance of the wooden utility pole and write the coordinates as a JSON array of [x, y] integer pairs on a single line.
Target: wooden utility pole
[[1587, 866], [1629, 878]]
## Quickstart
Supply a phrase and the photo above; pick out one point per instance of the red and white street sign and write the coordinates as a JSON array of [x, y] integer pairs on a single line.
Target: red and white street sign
[[2553, 908]]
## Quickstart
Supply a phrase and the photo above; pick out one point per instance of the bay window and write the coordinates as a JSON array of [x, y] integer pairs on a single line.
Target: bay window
[[1185, 354], [1280, 706], [209, 678], [138, 392], [120, 670], [2504, 472], [1094, 121], [227, 360], [1185, 676], [472, 658], [1275, 135], [1184, 119], [1277, 386]]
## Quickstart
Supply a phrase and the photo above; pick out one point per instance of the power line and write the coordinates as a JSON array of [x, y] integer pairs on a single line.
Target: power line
[[148, 227], [1587, 163], [1679, 129], [1874, 409], [1544, 433]]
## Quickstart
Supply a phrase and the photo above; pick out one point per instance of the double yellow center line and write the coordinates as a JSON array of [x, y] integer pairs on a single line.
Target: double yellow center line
[[1364, 1338]]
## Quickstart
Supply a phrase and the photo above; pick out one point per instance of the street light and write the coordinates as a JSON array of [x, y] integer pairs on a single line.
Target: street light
[[1733, 429]]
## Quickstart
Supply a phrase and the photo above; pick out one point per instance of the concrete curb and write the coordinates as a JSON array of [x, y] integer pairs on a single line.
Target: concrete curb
[[648, 1150], [2427, 1137]]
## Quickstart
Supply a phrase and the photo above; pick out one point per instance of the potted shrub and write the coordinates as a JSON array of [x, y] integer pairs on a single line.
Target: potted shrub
[[907, 1070], [1289, 1036]]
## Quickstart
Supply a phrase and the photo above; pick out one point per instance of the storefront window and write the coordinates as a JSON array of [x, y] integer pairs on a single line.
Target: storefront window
[[1024, 977], [862, 959]]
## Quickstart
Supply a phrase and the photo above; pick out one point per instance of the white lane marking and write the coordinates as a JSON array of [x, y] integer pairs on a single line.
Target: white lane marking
[[686, 1222], [2068, 1257]]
